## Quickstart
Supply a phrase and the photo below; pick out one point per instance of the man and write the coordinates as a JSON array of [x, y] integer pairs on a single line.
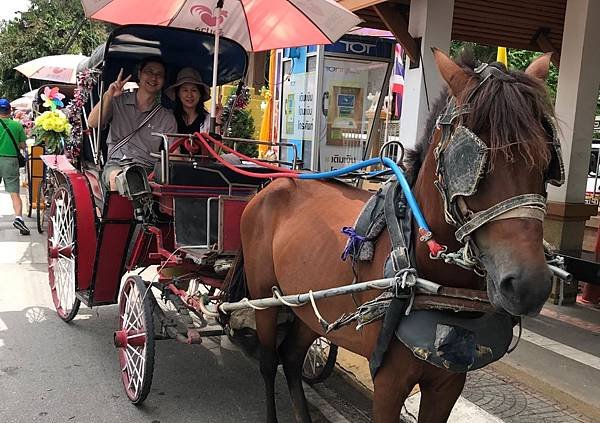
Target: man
[[133, 116], [9, 164]]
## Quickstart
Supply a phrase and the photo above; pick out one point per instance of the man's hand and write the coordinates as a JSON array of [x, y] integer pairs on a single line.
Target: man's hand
[[116, 88]]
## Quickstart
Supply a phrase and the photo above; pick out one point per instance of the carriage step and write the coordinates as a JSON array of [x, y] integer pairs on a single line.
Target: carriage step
[[84, 296]]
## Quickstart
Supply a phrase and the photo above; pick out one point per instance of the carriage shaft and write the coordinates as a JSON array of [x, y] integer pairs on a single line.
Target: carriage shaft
[[301, 299]]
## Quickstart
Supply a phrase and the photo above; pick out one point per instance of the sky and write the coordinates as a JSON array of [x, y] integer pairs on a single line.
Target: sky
[[9, 7]]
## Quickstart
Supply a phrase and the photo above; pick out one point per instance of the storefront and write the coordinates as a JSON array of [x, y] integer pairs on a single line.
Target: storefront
[[330, 100]]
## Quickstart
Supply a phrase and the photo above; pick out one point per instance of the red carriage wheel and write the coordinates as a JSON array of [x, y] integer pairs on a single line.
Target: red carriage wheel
[[319, 361], [62, 254], [135, 339]]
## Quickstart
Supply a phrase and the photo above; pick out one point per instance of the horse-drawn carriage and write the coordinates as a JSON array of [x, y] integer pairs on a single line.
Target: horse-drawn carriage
[[184, 219], [35, 168], [191, 218]]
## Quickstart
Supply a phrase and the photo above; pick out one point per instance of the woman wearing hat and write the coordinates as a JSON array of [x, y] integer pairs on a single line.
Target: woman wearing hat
[[189, 94]]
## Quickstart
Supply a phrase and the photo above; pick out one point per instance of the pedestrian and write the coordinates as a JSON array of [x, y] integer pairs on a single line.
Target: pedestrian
[[12, 139], [133, 117]]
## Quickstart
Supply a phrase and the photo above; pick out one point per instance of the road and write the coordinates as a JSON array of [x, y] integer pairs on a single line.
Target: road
[[55, 372], [51, 371]]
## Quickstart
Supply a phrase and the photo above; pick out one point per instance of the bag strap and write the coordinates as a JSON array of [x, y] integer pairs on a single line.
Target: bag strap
[[150, 115], [11, 137]]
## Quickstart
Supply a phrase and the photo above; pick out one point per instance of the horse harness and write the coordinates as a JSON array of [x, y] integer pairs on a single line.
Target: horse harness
[[462, 160], [455, 341]]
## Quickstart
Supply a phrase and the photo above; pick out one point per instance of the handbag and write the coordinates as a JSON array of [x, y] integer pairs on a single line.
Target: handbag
[[20, 157]]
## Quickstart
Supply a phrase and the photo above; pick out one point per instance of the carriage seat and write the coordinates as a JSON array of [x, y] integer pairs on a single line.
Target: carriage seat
[[208, 174]]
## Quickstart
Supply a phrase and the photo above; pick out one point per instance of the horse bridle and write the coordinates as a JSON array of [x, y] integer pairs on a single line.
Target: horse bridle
[[461, 162]]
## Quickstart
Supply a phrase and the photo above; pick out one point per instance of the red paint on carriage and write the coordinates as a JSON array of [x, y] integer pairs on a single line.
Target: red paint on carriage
[[114, 233], [85, 222]]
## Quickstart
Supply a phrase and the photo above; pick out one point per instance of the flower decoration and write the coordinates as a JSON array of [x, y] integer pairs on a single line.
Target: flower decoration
[[52, 98], [51, 128], [86, 80]]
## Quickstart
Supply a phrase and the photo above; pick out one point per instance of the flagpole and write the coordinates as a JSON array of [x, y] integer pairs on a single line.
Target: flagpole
[[213, 91]]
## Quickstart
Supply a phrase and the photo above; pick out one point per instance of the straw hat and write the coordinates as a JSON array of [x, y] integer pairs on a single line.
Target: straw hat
[[189, 75]]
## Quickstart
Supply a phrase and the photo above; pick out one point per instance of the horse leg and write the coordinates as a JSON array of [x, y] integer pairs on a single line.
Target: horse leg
[[393, 382], [292, 352], [266, 328], [439, 391]]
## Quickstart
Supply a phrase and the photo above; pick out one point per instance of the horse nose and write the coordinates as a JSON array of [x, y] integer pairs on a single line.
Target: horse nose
[[526, 289]]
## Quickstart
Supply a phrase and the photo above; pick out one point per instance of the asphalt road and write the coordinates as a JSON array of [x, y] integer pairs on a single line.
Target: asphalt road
[[51, 371]]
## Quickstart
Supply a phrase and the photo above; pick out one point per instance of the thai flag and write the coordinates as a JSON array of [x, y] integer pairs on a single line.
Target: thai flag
[[397, 79]]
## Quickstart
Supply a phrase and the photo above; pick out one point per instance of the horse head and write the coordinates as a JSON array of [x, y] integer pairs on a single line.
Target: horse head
[[493, 150]]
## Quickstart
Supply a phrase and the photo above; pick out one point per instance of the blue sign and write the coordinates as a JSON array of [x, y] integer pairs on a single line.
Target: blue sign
[[363, 46]]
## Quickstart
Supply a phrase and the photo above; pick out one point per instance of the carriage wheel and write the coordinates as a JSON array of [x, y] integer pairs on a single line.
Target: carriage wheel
[[41, 205], [62, 254], [319, 361], [135, 339]]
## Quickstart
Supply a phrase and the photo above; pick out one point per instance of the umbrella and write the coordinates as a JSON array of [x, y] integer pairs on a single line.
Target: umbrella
[[257, 25], [24, 102], [59, 68]]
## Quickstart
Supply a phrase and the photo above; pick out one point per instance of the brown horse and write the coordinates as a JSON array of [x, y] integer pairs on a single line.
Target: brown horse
[[291, 238]]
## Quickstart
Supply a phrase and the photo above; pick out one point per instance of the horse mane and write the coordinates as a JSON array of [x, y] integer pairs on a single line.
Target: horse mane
[[506, 112]]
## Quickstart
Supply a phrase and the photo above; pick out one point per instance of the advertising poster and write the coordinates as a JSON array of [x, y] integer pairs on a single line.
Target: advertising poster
[[298, 120]]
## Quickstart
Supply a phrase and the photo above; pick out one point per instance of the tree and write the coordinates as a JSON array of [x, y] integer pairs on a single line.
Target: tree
[[517, 59], [48, 27]]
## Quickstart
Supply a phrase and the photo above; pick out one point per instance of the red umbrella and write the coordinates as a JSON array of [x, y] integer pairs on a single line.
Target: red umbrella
[[256, 24]]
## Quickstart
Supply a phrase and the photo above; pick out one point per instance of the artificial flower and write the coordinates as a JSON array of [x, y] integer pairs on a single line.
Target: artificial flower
[[52, 98]]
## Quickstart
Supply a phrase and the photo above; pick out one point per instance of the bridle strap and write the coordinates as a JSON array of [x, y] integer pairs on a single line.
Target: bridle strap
[[531, 206]]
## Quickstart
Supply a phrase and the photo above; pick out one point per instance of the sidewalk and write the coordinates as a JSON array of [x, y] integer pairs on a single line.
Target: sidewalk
[[553, 375]]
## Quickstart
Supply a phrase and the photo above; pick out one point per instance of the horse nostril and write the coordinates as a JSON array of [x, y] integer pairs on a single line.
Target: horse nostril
[[507, 286]]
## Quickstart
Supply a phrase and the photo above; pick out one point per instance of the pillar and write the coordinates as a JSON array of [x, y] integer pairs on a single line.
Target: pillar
[[576, 98], [431, 21]]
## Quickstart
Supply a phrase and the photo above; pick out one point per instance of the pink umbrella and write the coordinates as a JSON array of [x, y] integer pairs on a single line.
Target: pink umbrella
[[257, 25]]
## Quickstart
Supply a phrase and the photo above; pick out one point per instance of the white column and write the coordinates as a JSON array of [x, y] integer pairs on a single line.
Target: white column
[[577, 94], [431, 20]]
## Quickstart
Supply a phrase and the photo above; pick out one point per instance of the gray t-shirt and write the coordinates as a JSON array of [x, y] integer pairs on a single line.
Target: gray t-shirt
[[124, 117]]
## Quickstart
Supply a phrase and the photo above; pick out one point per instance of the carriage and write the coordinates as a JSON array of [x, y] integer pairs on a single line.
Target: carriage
[[184, 218], [35, 168]]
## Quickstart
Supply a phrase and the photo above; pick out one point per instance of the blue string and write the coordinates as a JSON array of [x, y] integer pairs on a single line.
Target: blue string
[[410, 198]]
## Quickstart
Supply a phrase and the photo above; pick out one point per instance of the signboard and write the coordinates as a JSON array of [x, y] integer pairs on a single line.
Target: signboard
[[298, 120]]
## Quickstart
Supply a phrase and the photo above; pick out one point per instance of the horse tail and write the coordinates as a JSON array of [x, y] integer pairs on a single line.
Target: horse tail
[[235, 284]]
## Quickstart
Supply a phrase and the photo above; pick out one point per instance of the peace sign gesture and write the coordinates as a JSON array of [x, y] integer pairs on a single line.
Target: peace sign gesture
[[116, 88]]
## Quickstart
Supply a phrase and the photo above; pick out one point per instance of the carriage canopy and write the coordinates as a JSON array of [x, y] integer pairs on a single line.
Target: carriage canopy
[[128, 45]]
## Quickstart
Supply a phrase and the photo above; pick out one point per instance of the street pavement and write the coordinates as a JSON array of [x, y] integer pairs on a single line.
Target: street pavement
[[56, 372]]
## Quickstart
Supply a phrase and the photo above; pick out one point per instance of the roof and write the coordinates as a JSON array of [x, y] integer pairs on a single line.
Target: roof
[[535, 25]]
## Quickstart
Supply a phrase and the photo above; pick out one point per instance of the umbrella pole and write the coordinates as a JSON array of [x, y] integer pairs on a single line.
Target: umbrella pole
[[213, 91], [29, 82]]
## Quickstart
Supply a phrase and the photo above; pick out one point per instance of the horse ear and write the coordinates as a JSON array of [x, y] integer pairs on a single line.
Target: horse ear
[[539, 67], [454, 75]]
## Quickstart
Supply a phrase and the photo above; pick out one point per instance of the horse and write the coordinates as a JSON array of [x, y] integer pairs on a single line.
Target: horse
[[291, 239]]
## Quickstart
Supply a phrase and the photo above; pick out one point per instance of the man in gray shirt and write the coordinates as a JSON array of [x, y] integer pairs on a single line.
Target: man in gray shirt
[[127, 137]]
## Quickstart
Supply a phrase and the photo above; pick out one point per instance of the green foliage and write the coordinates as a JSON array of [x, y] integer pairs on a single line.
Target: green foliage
[[517, 59], [242, 126], [45, 29]]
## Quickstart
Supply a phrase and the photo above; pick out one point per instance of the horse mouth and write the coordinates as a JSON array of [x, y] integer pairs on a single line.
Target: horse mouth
[[511, 305]]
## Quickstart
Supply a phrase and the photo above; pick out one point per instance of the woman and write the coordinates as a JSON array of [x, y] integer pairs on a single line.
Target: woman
[[189, 94]]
